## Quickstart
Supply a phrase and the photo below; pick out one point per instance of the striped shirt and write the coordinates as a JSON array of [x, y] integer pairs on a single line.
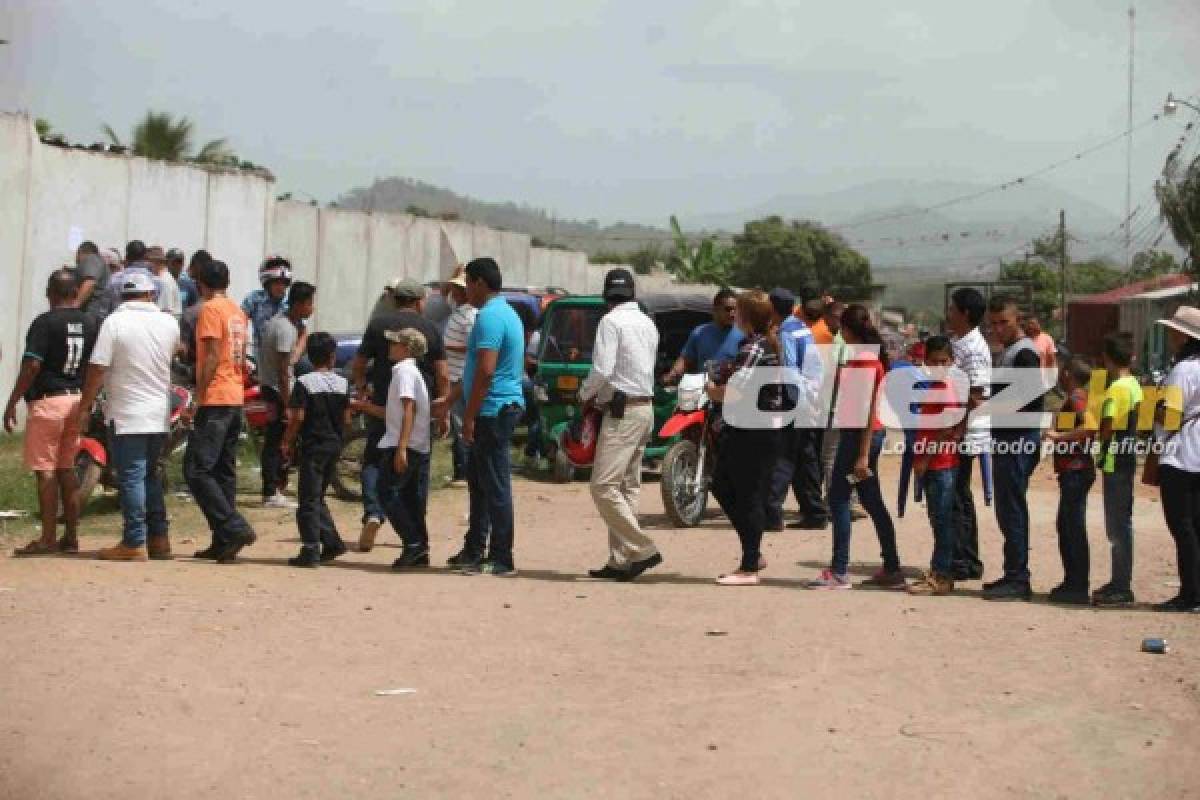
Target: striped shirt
[[458, 329], [973, 356]]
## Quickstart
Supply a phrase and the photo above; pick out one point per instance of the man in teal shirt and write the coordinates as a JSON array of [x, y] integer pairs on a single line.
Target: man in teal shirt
[[492, 385]]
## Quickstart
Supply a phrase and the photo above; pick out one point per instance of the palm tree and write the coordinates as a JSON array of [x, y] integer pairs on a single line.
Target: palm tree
[[160, 136]]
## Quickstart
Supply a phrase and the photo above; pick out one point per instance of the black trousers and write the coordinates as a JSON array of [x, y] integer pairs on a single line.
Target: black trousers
[[966, 527], [798, 467], [316, 469], [741, 481], [272, 449], [1181, 505], [210, 469]]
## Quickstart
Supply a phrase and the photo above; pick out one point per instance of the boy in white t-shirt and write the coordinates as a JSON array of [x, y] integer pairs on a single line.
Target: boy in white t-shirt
[[404, 449]]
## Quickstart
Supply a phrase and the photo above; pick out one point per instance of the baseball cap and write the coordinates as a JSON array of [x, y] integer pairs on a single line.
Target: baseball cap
[[138, 283], [459, 280], [782, 300], [407, 288], [618, 285]]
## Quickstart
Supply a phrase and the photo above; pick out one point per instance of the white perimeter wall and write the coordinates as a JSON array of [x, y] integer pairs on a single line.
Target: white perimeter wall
[[53, 197]]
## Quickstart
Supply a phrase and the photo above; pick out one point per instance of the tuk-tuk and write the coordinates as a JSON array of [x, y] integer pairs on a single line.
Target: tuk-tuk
[[568, 332]]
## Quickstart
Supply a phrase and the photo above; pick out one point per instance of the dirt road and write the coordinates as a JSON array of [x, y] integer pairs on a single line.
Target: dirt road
[[191, 680]]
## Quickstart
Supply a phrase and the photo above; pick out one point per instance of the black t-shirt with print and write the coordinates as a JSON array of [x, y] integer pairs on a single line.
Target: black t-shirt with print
[[62, 340], [374, 348]]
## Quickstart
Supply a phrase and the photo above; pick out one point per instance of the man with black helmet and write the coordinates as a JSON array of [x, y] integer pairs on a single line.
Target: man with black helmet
[[621, 382]]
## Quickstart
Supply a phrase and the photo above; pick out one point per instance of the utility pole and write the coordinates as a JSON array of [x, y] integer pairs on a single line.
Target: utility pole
[[1062, 265], [1129, 147]]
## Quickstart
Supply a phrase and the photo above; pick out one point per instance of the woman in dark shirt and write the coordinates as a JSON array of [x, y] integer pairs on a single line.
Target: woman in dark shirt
[[747, 451]]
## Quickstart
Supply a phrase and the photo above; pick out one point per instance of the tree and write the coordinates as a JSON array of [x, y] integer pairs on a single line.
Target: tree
[[1178, 193], [772, 252], [43, 127], [708, 262], [1152, 263], [645, 259], [161, 136]]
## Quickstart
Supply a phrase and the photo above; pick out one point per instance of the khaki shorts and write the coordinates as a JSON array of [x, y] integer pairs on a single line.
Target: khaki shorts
[[52, 433]]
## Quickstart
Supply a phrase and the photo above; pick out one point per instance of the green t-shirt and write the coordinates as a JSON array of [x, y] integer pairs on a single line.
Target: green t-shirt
[[1120, 405]]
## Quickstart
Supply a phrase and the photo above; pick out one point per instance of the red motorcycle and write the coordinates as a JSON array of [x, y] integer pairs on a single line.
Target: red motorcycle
[[92, 465], [687, 466]]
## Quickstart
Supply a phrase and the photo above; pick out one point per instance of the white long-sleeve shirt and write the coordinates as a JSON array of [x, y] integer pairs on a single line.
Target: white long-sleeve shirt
[[623, 355]]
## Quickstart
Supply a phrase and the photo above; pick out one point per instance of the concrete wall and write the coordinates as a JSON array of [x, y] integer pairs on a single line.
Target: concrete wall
[[51, 198]]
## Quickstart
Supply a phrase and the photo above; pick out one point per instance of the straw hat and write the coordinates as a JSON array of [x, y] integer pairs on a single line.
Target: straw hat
[[1186, 320]]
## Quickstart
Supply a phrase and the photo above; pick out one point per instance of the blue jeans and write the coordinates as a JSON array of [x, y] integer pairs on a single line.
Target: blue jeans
[[868, 494], [458, 448], [405, 496], [1014, 459], [1074, 486], [372, 505], [533, 421], [489, 483], [939, 488], [1118, 523], [135, 458]]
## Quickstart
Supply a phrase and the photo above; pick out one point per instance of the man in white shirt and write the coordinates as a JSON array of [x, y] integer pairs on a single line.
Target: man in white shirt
[[454, 339], [973, 356], [132, 361], [169, 298], [622, 381]]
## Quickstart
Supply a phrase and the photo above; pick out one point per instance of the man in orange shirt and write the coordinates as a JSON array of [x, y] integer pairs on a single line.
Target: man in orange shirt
[[210, 466], [1042, 341]]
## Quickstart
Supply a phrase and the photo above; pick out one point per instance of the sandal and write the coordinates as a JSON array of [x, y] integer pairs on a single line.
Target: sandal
[[35, 548], [68, 545]]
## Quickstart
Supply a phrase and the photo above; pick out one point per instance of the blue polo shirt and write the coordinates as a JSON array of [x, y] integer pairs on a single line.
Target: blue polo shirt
[[497, 327], [710, 343]]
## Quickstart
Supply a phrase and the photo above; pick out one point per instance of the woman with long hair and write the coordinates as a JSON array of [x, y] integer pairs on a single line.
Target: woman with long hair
[[856, 464], [1179, 464], [746, 455]]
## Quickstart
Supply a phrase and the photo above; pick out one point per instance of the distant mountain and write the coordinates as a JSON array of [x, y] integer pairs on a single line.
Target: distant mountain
[[406, 194]]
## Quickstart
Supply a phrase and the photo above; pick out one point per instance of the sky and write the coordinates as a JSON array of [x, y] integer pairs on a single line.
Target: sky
[[621, 110]]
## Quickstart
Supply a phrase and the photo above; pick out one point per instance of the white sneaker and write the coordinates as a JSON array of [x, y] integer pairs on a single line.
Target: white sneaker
[[279, 501]]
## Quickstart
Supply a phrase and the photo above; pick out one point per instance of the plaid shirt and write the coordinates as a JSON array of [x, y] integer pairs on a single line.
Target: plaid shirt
[[755, 351]]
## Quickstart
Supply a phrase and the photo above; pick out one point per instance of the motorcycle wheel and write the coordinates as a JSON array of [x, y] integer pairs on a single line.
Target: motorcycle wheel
[[87, 474], [347, 481], [683, 501], [564, 472]]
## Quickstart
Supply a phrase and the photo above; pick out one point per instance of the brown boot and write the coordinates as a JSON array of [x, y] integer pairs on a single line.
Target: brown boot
[[159, 547], [366, 539], [122, 552]]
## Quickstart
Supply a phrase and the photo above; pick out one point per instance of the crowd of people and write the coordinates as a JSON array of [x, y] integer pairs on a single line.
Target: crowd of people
[[126, 325]]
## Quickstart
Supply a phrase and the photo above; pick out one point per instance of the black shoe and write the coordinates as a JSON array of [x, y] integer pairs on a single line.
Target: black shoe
[[212, 552], [414, 557], [464, 558], [1067, 596], [1112, 598], [966, 573], [989, 585], [810, 524], [1179, 603], [307, 559], [638, 567], [330, 553], [607, 573], [1105, 589], [1008, 591], [229, 553], [773, 527]]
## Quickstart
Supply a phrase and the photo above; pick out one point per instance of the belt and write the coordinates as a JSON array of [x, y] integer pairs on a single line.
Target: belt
[[59, 393], [638, 401]]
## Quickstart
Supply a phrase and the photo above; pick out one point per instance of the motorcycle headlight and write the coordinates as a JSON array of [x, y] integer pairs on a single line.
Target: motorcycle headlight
[[689, 399]]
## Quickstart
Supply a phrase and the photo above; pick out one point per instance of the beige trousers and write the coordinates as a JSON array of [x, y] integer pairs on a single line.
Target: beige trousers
[[617, 483]]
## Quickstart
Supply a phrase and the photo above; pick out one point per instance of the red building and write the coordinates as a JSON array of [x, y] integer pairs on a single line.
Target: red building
[[1092, 317]]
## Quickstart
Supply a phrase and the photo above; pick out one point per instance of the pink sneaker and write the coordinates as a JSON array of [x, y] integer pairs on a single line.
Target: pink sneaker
[[830, 580], [739, 579]]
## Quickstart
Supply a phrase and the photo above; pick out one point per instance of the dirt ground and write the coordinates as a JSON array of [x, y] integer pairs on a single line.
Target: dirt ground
[[192, 680]]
